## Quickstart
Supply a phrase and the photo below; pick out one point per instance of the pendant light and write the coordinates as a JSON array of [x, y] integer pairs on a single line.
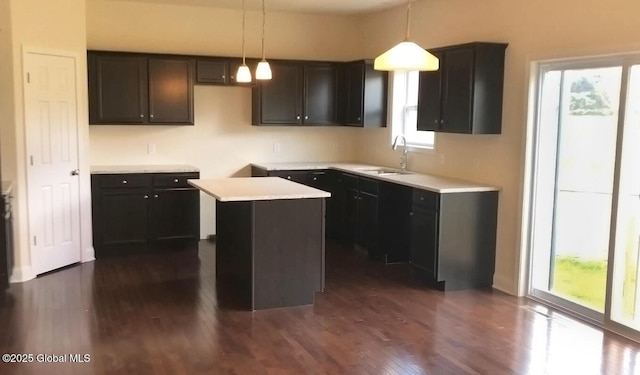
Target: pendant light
[[406, 55], [263, 71], [243, 74]]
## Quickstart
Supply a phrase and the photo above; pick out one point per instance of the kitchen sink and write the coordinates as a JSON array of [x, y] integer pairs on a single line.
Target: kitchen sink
[[385, 171]]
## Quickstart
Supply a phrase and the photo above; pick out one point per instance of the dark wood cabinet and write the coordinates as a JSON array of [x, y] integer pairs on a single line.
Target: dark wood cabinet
[[170, 91], [453, 238], [6, 242], [299, 94], [212, 71], [465, 94], [141, 212], [362, 95], [138, 89]]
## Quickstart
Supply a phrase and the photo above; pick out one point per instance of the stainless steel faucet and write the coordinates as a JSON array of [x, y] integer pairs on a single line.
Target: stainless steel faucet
[[403, 158]]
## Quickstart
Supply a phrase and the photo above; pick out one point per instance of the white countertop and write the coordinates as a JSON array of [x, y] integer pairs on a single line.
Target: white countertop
[[423, 181], [256, 189], [151, 168]]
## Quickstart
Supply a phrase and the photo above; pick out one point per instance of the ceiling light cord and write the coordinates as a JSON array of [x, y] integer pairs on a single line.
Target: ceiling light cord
[[264, 16], [406, 36], [243, 41]]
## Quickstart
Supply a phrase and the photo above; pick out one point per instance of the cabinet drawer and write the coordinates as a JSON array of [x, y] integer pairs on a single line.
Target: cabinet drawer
[[174, 180], [369, 185], [124, 180], [426, 199]]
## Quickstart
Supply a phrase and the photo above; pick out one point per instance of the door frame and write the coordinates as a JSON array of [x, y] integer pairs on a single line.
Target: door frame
[[25, 270]]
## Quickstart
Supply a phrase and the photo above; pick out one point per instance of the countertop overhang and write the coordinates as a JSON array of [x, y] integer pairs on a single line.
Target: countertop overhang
[[235, 189], [437, 184]]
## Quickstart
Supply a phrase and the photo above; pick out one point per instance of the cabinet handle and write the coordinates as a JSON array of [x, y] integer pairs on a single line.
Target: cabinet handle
[[315, 179], [442, 121], [151, 116], [288, 177], [146, 197], [298, 117], [410, 213], [141, 115], [359, 118], [223, 77], [176, 180], [155, 195], [421, 198], [436, 122], [306, 117], [124, 181]]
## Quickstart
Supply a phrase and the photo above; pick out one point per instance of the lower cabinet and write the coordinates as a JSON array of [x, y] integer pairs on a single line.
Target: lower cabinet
[[144, 212], [453, 238]]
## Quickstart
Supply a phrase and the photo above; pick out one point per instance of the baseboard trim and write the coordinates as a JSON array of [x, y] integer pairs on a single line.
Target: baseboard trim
[[89, 255], [504, 284], [22, 274]]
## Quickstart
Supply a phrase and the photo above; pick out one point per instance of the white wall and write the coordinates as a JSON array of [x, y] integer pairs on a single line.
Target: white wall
[[46, 26], [542, 29], [222, 142]]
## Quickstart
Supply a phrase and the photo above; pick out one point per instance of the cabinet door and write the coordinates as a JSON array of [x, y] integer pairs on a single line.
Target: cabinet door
[[350, 216], [368, 222], [124, 217], [424, 241], [175, 214], [170, 91], [212, 72], [117, 89], [355, 94], [429, 98], [319, 94], [280, 98], [457, 92]]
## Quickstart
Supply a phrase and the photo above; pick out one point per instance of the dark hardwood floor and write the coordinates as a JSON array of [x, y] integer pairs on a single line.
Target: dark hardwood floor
[[159, 314]]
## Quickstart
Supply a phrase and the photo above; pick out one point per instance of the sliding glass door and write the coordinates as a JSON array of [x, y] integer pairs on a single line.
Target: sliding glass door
[[576, 149]]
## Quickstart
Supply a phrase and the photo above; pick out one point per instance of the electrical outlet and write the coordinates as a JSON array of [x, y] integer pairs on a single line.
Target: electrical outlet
[[441, 159], [276, 147], [151, 148]]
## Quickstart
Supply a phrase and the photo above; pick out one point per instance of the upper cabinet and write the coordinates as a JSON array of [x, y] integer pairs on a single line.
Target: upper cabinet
[[130, 88], [362, 95], [300, 93], [465, 94], [212, 71]]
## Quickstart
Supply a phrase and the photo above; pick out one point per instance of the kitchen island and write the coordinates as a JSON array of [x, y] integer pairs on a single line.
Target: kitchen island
[[269, 240]]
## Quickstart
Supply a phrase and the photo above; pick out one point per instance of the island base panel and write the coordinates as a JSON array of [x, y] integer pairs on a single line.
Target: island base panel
[[271, 253]]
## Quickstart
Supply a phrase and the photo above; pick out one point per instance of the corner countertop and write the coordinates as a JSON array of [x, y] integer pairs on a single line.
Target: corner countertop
[[235, 189], [437, 184], [124, 169]]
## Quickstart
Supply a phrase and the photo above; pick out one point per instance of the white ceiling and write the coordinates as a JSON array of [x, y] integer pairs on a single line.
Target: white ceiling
[[305, 6]]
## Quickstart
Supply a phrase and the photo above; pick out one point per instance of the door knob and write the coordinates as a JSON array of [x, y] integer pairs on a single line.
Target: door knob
[[75, 172]]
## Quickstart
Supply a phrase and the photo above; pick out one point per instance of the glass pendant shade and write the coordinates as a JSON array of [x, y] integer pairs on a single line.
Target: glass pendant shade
[[406, 56], [263, 71], [243, 74]]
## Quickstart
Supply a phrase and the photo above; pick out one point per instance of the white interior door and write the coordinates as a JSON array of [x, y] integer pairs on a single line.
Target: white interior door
[[52, 160]]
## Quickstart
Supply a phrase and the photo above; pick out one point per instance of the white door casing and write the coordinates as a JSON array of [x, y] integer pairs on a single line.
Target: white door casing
[[51, 127]]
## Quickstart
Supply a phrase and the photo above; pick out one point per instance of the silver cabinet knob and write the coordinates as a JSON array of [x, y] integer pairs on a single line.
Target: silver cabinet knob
[[176, 180], [359, 118], [306, 117], [298, 117], [288, 177], [146, 197], [151, 116], [155, 195], [124, 181], [141, 115], [75, 172], [436, 122]]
